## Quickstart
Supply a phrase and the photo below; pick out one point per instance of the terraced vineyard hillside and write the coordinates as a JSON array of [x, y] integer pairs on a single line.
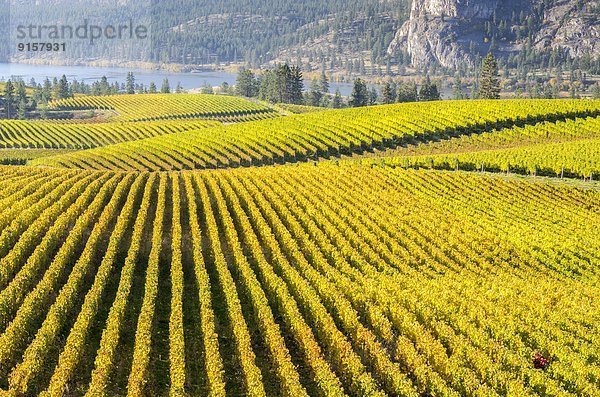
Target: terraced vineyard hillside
[[144, 107], [309, 136], [556, 149], [20, 134], [369, 274]]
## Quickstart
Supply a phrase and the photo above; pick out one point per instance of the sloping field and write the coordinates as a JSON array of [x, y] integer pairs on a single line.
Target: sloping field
[[296, 280], [570, 148], [361, 277], [20, 134], [545, 132], [332, 133], [143, 107], [580, 158]]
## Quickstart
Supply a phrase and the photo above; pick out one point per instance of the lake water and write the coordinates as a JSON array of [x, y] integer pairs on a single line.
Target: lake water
[[89, 74]]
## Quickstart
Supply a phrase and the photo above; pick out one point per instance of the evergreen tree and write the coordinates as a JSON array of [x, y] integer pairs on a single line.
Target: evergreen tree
[[114, 88], [152, 88], [429, 91], [246, 84], [315, 96], [489, 85], [324, 83], [63, 88], [458, 89], [21, 109], [37, 94], [46, 91], [337, 100], [55, 89], [283, 83], [166, 87], [96, 88], [360, 94], [104, 87], [407, 92], [296, 86], [130, 83], [269, 90], [179, 88], [21, 92], [373, 96], [9, 99], [388, 93]]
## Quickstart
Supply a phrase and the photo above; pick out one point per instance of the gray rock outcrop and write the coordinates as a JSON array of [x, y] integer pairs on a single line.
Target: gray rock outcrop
[[451, 32]]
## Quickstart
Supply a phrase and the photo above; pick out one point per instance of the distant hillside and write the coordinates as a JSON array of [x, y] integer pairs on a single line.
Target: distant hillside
[[452, 33], [361, 37], [203, 32]]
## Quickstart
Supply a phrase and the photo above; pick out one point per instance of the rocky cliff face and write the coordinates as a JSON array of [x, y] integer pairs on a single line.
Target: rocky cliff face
[[566, 26], [451, 32]]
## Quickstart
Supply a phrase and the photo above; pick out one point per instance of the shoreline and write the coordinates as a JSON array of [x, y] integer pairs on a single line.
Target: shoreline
[[150, 66]]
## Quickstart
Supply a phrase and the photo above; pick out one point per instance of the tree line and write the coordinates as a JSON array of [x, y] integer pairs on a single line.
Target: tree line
[[285, 83]]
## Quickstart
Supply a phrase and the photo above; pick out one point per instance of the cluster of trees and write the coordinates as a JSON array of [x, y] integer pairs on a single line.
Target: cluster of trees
[[284, 84], [18, 99], [104, 87], [16, 102], [392, 92], [395, 92]]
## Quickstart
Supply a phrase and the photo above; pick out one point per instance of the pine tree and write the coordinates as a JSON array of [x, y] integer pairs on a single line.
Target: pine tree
[[246, 84], [47, 90], [429, 91], [373, 96], [43, 111], [21, 91], [489, 84], [296, 84], [166, 87], [407, 92], [360, 94], [21, 109], [457, 89], [337, 100], [104, 86], [324, 83], [152, 88], [315, 95], [269, 90], [9, 99], [388, 93], [130, 83], [55, 89], [284, 83], [63, 88]]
